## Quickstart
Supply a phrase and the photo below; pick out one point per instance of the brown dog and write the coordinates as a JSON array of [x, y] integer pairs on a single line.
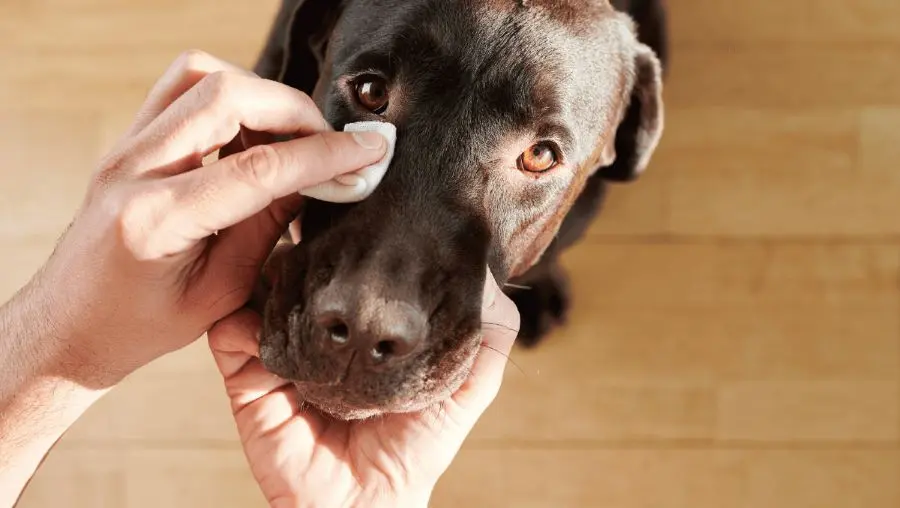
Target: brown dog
[[511, 117]]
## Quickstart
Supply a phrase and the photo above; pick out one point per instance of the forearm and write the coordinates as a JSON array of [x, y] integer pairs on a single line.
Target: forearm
[[37, 403]]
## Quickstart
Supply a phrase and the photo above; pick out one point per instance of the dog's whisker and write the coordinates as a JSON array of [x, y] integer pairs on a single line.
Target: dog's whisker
[[516, 286], [508, 358], [502, 326], [444, 410], [438, 422]]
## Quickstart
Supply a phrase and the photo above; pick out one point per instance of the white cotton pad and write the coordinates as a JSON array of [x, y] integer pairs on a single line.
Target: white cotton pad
[[353, 187]]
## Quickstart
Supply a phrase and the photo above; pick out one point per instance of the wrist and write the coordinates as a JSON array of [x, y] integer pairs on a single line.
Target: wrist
[[37, 404], [411, 498], [52, 337], [26, 341], [418, 499]]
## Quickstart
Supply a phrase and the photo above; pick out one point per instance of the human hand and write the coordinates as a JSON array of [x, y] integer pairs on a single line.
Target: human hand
[[164, 246], [303, 459]]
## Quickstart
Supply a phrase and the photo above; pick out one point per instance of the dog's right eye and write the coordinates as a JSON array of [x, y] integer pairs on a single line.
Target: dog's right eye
[[372, 94]]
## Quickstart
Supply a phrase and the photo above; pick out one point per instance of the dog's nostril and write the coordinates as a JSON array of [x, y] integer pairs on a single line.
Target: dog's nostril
[[339, 332], [335, 326], [384, 337], [384, 349]]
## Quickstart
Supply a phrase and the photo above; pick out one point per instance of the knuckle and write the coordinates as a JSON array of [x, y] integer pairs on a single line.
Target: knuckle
[[328, 148], [191, 60], [218, 86], [102, 180], [258, 165], [113, 168], [304, 100], [108, 171], [138, 216]]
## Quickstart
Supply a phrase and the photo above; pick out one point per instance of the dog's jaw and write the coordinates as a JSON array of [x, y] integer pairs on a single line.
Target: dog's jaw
[[329, 400], [341, 386]]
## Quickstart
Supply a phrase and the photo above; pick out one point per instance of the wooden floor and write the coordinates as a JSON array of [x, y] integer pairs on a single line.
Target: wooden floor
[[735, 340]]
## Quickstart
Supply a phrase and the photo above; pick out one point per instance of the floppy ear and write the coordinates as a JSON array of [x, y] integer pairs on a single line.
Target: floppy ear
[[641, 127], [295, 49]]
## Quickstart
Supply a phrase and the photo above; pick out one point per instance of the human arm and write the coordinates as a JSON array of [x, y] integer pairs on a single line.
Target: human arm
[[162, 246]]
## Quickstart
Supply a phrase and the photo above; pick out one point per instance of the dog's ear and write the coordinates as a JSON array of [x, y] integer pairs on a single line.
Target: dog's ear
[[641, 127], [295, 49]]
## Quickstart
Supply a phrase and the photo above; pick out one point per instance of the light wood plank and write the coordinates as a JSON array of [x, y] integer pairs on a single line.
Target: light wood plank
[[114, 52], [79, 479], [167, 407], [657, 332], [772, 173], [188, 478], [785, 77], [813, 411], [614, 380], [47, 159], [639, 208], [702, 366], [672, 478], [826, 22], [645, 275]]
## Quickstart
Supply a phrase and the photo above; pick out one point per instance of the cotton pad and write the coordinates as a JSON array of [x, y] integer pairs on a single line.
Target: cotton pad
[[353, 187]]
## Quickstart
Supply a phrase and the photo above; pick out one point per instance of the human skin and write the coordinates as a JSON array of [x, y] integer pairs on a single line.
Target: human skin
[[165, 248]]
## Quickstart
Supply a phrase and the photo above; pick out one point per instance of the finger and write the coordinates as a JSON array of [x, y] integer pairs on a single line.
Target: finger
[[500, 328], [294, 229], [244, 140], [253, 239], [186, 71], [236, 188], [252, 383], [210, 114], [233, 341], [236, 352], [260, 401], [250, 242]]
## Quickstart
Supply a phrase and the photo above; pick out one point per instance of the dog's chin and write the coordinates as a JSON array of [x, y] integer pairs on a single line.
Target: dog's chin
[[342, 403], [326, 400], [353, 398]]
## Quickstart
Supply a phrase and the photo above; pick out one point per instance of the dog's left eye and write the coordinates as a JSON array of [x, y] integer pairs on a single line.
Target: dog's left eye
[[372, 94], [538, 158]]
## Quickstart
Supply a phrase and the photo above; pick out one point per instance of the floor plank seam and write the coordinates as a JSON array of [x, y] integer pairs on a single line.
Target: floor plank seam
[[749, 240], [526, 445]]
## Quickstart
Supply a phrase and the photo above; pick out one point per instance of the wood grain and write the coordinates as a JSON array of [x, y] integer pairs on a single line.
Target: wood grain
[[734, 339]]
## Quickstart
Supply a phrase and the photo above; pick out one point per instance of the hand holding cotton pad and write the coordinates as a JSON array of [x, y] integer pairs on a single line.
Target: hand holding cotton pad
[[353, 187]]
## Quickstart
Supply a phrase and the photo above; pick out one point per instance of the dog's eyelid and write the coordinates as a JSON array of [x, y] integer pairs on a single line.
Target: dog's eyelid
[[557, 147], [366, 73], [557, 134]]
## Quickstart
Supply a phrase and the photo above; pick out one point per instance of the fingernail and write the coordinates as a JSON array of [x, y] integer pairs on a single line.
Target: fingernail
[[370, 140]]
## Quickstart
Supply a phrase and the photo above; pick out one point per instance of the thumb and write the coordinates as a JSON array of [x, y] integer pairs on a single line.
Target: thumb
[[500, 327], [251, 241]]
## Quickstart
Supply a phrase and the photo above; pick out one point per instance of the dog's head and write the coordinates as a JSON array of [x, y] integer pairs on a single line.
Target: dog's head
[[504, 109]]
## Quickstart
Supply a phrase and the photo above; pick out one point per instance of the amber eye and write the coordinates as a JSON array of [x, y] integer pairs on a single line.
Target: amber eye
[[538, 158], [372, 93]]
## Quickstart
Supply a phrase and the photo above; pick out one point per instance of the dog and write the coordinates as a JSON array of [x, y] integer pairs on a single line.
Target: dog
[[513, 117]]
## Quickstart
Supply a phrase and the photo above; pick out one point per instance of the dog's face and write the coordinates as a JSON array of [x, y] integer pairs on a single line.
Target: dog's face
[[503, 109]]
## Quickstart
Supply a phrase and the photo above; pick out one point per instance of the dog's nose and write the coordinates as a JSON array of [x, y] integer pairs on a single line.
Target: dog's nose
[[382, 332]]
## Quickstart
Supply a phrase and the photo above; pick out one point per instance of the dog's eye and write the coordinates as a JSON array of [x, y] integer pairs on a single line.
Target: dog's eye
[[538, 158], [372, 93]]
